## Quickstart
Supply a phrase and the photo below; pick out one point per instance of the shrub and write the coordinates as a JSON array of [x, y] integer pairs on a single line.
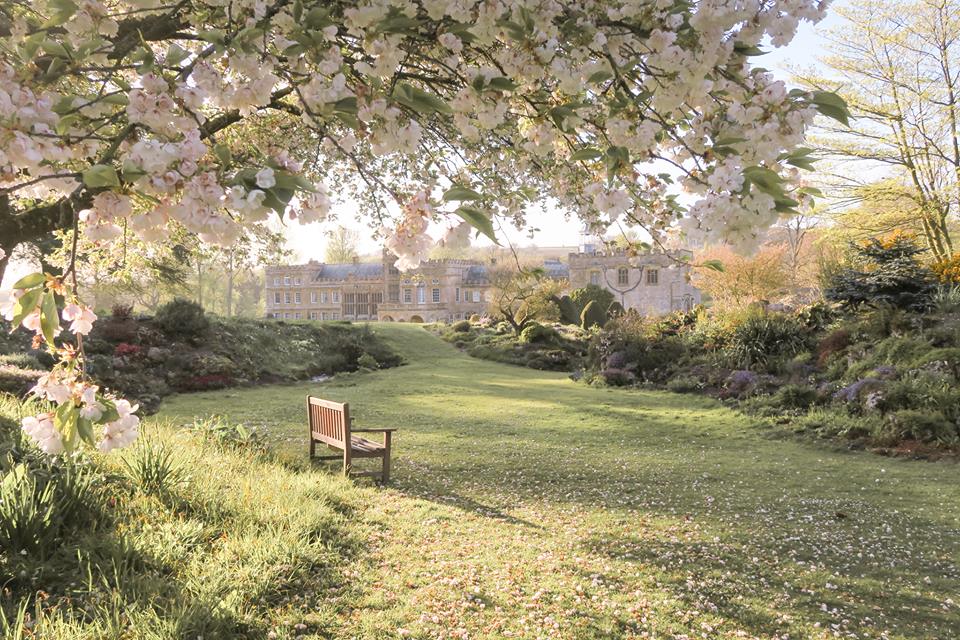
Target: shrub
[[832, 423], [125, 349], [536, 333], [569, 310], [367, 361], [817, 316], [833, 343], [591, 293], [795, 396], [948, 358], [740, 383], [461, 326], [888, 272], [182, 318], [684, 384], [919, 424], [615, 310], [122, 311], [593, 315], [475, 318], [762, 336]]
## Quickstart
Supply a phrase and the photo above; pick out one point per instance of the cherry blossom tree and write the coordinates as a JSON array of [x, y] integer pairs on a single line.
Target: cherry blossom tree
[[123, 117]]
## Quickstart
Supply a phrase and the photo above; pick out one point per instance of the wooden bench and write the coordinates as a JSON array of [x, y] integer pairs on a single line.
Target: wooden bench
[[330, 425]]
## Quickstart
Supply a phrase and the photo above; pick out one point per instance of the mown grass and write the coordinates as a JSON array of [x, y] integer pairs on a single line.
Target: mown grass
[[526, 505]]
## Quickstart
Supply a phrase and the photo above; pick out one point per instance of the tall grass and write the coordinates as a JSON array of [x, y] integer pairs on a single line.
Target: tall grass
[[250, 549]]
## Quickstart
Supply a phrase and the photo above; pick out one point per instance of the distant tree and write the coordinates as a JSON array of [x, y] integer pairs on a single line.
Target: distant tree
[[342, 245], [884, 271], [895, 64], [744, 279], [523, 295]]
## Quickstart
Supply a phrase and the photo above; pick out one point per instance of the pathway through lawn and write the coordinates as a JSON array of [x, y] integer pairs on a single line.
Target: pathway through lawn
[[526, 505]]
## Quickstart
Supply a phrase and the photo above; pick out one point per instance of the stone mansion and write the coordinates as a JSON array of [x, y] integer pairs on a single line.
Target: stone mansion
[[449, 290]]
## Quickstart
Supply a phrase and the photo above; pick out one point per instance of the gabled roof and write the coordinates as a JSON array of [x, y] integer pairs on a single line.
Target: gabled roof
[[360, 270]]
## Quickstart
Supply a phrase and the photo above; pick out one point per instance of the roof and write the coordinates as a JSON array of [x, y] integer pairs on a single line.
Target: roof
[[556, 269], [360, 270], [475, 273]]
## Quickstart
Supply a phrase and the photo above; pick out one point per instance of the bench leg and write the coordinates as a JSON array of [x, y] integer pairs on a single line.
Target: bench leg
[[385, 472], [346, 461], [313, 447]]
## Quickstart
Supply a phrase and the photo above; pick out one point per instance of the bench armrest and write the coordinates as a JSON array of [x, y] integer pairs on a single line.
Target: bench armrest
[[374, 430]]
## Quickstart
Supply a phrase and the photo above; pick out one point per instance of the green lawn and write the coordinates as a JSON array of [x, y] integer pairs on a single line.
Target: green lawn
[[526, 505]]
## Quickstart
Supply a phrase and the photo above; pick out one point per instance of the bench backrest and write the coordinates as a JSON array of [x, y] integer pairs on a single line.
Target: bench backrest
[[329, 421]]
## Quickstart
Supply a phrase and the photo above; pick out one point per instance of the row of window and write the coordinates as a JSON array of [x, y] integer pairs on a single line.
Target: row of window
[[294, 297], [313, 315], [287, 281], [435, 295], [623, 276]]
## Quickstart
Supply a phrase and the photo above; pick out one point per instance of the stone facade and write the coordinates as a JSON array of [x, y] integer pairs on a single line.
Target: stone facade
[[440, 290], [450, 290], [652, 283]]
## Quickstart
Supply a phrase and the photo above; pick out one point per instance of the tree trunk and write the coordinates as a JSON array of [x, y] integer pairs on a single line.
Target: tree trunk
[[199, 280], [7, 249], [230, 279]]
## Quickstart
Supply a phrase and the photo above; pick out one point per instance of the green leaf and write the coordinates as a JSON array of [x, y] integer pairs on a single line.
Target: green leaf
[[346, 105], [64, 123], [766, 180], [30, 281], [725, 141], [49, 317], [62, 10], [586, 154], [213, 36], [479, 221], [131, 172], [176, 54], [616, 159], [110, 413], [419, 100], [223, 154], [318, 18], [811, 191], [748, 49], [54, 48], [460, 193], [65, 420], [501, 83], [26, 305], [101, 175], [599, 76], [713, 265], [560, 115], [85, 431], [832, 106], [118, 99], [398, 24]]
